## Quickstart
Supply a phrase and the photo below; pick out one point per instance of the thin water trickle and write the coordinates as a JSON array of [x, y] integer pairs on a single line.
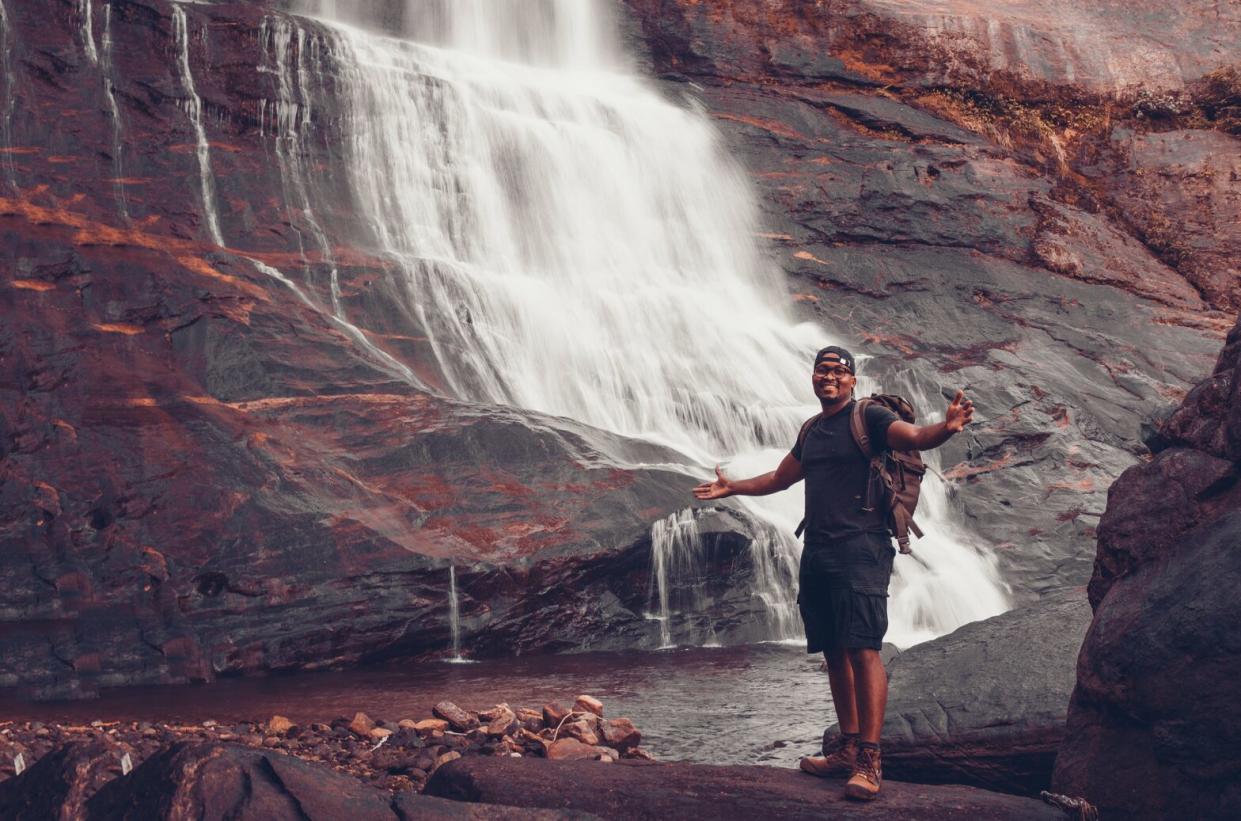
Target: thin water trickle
[[193, 108], [88, 33], [118, 148], [454, 617], [8, 100]]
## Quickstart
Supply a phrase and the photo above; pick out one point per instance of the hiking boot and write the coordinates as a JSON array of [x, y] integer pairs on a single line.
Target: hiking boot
[[867, 775], [838, 760]]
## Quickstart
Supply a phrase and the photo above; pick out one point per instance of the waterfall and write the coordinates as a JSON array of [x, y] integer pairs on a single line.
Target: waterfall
[[193, 107], [8, 100], [88, 34], [571, 242], [454, 615], [105, 69], [676, 557]]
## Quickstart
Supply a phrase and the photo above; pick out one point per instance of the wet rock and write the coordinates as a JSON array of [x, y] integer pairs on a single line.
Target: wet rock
[[460, 720], [620, 733], [59, 784], [431, 725], [503, 722], [986, 704], [627, 790], [571, 749], [554, 713], [588, 704], [361, 725], [279, 725], [217, 781], [580, 730], [379, 733]]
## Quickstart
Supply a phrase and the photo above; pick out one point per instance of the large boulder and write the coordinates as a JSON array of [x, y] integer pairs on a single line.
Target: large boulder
[[59, 784], [1152, 728], [641, 791], [986, 704]]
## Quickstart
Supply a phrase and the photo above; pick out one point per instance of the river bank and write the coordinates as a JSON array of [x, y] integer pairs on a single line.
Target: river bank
[[775, 696]]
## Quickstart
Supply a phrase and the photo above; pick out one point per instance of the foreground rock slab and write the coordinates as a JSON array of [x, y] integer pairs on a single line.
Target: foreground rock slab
[[214, 781], [986, 704], [636, 791]]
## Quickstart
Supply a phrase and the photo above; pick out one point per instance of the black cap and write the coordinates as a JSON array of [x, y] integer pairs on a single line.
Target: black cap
[[834, 353]]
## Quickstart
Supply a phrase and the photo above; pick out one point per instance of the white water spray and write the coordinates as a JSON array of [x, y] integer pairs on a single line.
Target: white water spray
[[114, 111], [88, 34], [574, 244], [454, 616], [8, 100], [193, 106]]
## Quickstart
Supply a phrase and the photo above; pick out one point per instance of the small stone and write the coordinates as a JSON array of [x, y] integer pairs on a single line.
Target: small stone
[[581, 731], [271, 741], [278, 725], [430, 725], [639, 753], [42, 732], [361, 725], [209, 722], [451, 755], [226, 736], [554, 713], [620, 733], [407, 724], [252, 740], [380, 733], [458, 719], [589, 704], [150, 732], [570, 749], [502, 723]]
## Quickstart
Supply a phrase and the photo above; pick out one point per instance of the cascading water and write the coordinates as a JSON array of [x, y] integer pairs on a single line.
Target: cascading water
[[7, 100], [454, 616], [193, 107], [118, 150], [88, 34], [573, 243]]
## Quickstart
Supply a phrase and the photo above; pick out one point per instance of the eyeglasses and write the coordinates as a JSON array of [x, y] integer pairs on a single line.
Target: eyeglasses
[[837, 372]]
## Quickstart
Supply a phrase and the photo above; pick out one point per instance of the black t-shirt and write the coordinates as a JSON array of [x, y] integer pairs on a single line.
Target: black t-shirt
[[836, 472]]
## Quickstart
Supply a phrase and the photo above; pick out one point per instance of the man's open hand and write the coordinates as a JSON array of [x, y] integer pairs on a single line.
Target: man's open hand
[[960, 413], [718, 489]]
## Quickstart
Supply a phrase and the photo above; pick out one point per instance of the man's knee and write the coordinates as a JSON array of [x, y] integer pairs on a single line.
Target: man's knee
[[863, 656]]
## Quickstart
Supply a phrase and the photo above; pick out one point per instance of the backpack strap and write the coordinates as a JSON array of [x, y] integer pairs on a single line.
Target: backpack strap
[[857, 424], [801, 441]]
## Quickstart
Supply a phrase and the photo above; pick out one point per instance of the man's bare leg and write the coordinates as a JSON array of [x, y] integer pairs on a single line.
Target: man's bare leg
[[870, 688], [844, 691]]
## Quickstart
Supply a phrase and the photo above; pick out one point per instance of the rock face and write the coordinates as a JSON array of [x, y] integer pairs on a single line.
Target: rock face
[[1035, 201], [1152, 732], [210, 782], [986, 704], [204, 472], [648, 792]]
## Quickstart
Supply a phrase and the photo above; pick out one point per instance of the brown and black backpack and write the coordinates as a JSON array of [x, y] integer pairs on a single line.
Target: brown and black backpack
[[899, 472]]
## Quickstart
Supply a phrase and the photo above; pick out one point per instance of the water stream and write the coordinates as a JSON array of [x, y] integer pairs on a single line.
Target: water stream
[[193, 108], [574, 243]]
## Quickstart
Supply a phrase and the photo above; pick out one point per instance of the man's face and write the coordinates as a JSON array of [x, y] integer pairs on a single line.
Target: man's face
[[832, 380]]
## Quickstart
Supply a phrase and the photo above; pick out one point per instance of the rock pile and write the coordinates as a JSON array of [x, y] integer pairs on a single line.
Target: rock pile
[[396, 755]]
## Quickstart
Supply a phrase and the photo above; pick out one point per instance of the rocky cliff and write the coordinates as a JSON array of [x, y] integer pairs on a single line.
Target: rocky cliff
[[1153, 724], [207, 471]]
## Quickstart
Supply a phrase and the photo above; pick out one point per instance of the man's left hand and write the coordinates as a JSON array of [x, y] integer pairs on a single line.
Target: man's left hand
[[960, 413]]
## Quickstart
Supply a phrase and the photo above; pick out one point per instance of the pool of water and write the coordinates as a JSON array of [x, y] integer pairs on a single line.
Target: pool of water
[[765, 703]]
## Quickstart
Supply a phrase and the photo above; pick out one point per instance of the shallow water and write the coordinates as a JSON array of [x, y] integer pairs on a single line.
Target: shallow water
[[764, 703]]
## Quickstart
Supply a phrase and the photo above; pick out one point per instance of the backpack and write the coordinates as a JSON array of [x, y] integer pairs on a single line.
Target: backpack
[[899, 472]]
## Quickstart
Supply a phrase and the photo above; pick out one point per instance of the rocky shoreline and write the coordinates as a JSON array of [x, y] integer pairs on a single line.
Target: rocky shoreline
[[392, 754]]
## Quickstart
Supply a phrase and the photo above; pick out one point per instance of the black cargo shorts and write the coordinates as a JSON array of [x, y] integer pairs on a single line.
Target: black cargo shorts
[[843, 592]]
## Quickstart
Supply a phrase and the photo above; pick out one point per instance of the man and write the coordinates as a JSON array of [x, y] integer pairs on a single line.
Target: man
[[847, 560]]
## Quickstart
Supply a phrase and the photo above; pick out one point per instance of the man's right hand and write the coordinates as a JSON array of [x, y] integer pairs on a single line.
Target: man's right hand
[[718, 489]]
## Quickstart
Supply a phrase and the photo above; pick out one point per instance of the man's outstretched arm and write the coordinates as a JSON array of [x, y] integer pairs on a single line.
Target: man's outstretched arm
[[785, 475], [904, 436]]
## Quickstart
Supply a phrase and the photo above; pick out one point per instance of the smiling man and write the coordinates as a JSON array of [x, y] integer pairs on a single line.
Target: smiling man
[[847, 560]]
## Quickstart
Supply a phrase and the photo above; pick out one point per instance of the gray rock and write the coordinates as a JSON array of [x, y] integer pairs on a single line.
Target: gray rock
[[642, 791], [986, 704]]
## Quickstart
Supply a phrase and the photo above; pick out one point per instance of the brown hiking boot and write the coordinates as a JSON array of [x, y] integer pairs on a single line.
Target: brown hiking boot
[[838, 760], [867, 775]]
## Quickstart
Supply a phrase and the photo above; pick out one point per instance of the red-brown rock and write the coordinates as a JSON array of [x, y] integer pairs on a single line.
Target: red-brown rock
[[620, 733], [460, 720]]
